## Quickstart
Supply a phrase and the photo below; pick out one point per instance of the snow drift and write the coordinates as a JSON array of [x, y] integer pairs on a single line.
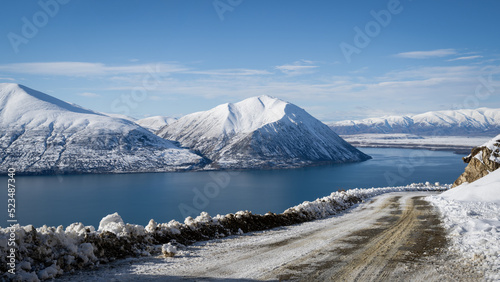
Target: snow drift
[[47, 252], [40, 134], [482, 121], [262, 132]]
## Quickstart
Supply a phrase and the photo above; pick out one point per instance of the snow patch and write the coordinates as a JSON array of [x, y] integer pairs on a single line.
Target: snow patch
[[169, 250]]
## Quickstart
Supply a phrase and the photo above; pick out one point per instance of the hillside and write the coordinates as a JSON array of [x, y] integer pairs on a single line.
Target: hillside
[[40, 134], [262, 132], [155, 123]]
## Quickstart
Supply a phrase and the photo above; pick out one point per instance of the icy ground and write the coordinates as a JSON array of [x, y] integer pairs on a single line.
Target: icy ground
[[472, 215]]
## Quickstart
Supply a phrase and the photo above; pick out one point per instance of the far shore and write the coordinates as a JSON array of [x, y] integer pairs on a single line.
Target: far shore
[[461, 145]]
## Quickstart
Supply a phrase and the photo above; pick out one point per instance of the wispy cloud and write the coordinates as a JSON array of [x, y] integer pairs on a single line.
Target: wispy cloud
[[465, 58], [90, 95], [427, 54], [88, 69], [411, 88], [361, 70], [231, 72], [120, 72], [155, 98], [297, 67], [7, 78]]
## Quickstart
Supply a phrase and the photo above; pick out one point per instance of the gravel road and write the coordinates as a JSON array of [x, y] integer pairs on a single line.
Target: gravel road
[[392, 237]]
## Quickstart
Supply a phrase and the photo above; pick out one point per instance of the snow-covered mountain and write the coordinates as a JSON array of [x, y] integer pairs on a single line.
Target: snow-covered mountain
[[42, 134], [260, 132], [482, 121], [155, 123]]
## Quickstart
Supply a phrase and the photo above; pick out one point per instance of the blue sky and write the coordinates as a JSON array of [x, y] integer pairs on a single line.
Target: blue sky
[[176, 57]]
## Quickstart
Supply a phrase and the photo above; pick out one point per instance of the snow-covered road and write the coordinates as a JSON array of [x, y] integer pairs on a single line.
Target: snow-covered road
[[395, 236]]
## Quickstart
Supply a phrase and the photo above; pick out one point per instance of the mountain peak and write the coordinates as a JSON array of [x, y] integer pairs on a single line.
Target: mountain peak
[[265, 100], [260, 131], [15, 98]]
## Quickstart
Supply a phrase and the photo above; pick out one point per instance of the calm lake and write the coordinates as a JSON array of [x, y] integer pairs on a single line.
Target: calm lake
[[62, 200]]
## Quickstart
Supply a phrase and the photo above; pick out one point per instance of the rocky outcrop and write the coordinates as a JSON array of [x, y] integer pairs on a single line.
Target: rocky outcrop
[[481, 161]]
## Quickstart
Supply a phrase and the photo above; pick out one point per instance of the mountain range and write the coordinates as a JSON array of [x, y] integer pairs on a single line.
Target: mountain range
[[482, 121], [40, 134]]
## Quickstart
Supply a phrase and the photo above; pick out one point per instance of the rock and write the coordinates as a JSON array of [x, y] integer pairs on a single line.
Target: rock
[[481, 161]]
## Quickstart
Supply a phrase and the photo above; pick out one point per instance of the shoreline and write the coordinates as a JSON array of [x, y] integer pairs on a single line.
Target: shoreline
[[461, 145], [459, 150]]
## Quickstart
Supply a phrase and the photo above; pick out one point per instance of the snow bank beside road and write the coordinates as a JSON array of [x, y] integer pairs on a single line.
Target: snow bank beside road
[[47, 252], [472, 213]]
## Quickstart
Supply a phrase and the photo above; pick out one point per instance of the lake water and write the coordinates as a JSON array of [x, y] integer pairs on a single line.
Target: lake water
[[62, 200]]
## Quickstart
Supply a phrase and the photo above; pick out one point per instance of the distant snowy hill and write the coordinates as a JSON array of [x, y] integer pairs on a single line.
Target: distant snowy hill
[[42, 134], [155, 123], [482, 121], [260, 132]]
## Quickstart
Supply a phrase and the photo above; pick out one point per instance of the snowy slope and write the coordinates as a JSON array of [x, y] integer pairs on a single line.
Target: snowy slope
[[452, 122], [155, 123], [260, 132], [472, 210], [120, 116], [42, 134], [486, 189], [472, 214]]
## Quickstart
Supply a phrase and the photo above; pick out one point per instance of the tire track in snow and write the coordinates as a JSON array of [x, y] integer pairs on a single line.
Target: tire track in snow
[[389, 250]]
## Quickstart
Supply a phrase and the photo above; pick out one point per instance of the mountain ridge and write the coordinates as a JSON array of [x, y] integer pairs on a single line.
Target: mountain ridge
[[154, 123], [451, 122]]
